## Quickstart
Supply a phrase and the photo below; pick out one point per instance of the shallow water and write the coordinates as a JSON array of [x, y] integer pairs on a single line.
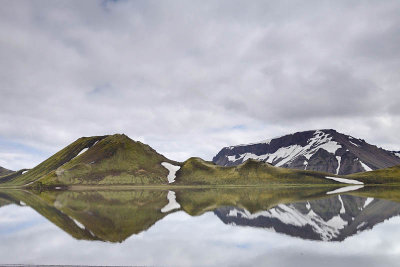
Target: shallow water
[[268, 227]]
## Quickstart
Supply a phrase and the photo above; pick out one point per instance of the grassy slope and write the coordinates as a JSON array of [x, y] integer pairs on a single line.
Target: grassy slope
[[199, 172], [114, 160], [51, 163], [4, 171], [383, 176]]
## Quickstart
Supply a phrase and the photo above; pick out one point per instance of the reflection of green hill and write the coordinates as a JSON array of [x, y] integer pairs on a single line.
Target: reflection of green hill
[[46, 209], [198, 201], [96, 215], [114, 215]]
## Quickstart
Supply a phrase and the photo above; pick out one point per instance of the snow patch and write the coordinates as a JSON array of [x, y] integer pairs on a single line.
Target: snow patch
[[24, 172], [365, 166], [343, 180], [308, 206], [172, 204], [345, 189], [172, 171]]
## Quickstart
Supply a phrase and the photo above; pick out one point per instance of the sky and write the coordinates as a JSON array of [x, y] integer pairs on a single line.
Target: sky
[[190, 77]]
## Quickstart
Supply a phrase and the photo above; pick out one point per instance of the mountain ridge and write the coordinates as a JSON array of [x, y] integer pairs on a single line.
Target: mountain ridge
[[323, 150]]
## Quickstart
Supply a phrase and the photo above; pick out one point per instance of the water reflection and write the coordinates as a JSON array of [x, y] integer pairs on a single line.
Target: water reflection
[[238, 219]]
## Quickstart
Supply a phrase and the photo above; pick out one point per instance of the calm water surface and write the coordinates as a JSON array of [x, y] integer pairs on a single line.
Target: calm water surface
[[268, 227]]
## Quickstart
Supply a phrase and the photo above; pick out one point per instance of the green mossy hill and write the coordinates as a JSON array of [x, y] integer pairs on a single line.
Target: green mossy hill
[[382, 176], [4, 171], [196, 171], [51, 164], [114, 160]]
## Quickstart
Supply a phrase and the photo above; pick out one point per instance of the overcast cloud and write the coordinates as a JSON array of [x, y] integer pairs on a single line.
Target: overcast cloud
[[191, 77]]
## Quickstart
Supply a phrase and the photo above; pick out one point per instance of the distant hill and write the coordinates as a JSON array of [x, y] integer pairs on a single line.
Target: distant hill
[[197, 171], [4, 171], [319, 150]]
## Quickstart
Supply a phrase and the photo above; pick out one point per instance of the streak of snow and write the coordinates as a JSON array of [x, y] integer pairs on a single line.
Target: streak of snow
[[354, 144], [308, 205], [343, 180], [24, 172], [345, 189], [172, 171], [172, 204], [339, 159], [365, 166]]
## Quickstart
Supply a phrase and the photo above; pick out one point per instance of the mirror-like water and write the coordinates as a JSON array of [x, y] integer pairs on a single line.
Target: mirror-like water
[[269, 227]]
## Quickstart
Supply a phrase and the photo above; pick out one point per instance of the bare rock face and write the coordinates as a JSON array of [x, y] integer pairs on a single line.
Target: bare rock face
[[320, 150]]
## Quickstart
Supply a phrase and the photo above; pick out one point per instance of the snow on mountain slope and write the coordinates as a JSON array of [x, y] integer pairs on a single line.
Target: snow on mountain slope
[[319, 150]]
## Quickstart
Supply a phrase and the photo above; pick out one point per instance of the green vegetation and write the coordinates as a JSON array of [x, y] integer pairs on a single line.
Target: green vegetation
[[199, 172], [382, 176]]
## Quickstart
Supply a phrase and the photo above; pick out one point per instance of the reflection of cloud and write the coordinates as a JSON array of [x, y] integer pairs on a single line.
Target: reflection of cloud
[[180, 239]]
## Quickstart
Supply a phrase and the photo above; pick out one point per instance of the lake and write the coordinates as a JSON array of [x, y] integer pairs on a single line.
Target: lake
[[276, 226]]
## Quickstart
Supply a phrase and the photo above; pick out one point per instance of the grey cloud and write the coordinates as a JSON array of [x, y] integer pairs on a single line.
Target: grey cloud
[[180, 74]]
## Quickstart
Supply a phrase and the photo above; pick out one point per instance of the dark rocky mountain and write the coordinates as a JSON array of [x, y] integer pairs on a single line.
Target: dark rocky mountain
[[4, 171], [330, 219], [318, 150]]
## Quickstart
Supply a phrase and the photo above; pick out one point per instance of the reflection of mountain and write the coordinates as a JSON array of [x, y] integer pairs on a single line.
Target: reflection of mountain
[[329, 219], [113, 216]]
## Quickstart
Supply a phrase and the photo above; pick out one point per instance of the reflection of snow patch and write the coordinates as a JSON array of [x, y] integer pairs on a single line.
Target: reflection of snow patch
[[79, 224], [342, 210], [172, 171], [368, 201], [337, 222], [22, 203], [343, 180], [172, 204], [345, 189]]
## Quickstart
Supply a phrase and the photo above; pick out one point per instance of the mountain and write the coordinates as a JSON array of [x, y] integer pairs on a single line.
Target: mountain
[[328, 219], [113, 159], [318, 150], [4, 171]]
